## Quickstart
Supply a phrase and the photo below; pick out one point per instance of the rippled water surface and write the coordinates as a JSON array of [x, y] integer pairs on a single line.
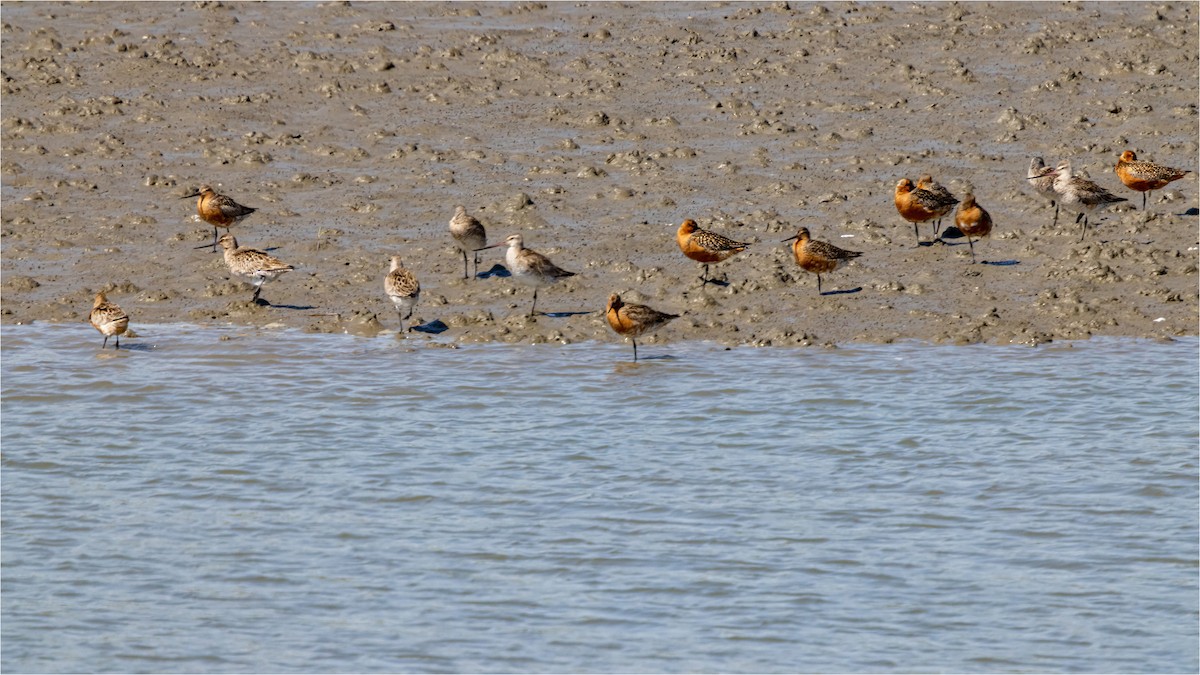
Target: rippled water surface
[[223, 499]]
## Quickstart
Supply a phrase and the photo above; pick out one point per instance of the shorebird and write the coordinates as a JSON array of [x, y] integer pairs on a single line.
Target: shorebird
[[252, 263], [1080, 196], [530, 267], [943, 196], [402, 288], [218, 210], [469, 236], [1145, 176], [633, 320], [109, 319], [1041, 177], [704, 246], [918, 206], [818, 257], [973, 221]]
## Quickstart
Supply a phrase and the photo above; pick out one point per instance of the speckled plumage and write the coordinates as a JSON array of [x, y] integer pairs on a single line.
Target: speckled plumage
[[973, 221], [919, 206], [469, 235], [1145, 176], [941, 195], [109, 319], [255, 265], [1080, 195], [633, 320], [218, 210], [402, 289], [818, 257], [704, 246]]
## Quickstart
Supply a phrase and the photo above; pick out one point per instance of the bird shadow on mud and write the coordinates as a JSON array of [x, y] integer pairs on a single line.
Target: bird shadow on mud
[[497, 270], [1000, 263], [432, 327], [1191, 212], [263, 303], [844, 291], [560, 315]]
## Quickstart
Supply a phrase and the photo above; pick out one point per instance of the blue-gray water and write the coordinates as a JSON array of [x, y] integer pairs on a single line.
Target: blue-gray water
[[281, 501]]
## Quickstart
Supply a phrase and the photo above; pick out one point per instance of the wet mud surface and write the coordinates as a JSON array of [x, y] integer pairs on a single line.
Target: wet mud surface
[[594, 130]]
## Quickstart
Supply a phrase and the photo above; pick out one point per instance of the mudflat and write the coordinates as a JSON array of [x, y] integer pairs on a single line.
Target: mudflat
[[594, 130]]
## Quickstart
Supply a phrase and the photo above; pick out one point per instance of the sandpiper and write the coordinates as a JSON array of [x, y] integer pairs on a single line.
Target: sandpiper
[[402, 288], [633, 320], [530, 267], [706, 247], [109, 319], [818, 257], [218, 210], [469, 236], [255, 265]]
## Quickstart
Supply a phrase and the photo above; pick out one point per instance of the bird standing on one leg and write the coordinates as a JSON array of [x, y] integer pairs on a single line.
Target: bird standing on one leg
[[818, 257], [633, 320], [973, 221], [252, 263], [1145, 176], [218, 210], [706, 247], [530, 267]]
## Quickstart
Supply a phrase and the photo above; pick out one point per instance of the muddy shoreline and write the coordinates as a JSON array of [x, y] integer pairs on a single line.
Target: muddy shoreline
[[594, 131]]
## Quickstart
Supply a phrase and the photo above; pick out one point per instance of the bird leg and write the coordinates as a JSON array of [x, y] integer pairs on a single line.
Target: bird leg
[[917, 232], [105, 344], [819, 285], [1055, 223], [634, 340], [972, 244], [464, 254], [534, 307]]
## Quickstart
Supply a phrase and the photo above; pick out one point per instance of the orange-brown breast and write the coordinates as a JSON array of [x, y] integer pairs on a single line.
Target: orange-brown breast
[[1143, 176], [911, 209], [974, 221], [210, 210], [810, 262]]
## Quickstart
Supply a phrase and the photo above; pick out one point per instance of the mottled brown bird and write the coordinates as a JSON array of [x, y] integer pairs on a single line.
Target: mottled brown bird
[[402, 289], [218, 210], [706, 247], [920, 206], [818, 257], [109, 319], [633, 320], [939, 191], [469, 236], [1145, 176], [255, 265]]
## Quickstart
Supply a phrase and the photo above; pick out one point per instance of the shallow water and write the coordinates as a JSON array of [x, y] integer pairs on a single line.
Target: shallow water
[[233, 499]]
